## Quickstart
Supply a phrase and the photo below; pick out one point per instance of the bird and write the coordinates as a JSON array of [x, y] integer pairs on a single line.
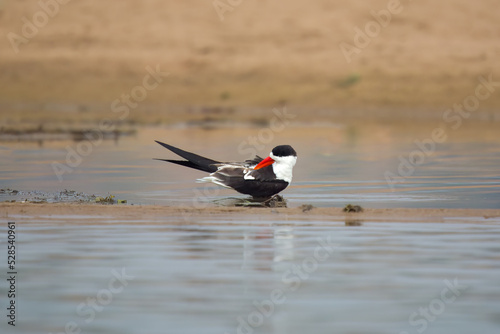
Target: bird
[[258, 177]]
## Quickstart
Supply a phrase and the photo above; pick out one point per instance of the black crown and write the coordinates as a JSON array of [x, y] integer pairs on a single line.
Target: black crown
[[284, 151]]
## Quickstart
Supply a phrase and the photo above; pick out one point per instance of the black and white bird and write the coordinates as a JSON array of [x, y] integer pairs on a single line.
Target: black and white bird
[[260, 178]]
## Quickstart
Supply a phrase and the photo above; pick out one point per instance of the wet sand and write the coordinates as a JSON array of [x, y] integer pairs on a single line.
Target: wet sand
[[188, 215]]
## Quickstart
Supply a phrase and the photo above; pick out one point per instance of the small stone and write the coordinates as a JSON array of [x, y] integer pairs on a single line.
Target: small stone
[[353, 208]]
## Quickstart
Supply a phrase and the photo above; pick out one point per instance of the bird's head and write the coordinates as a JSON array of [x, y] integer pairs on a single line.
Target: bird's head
[[283, 159]]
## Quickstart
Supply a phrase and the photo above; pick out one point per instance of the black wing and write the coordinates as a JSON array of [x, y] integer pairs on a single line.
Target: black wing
[[193, 160], [262, 184], [254, 161], [265, 174]]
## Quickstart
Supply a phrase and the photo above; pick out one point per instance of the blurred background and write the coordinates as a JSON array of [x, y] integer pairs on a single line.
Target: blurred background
[[374, 76], [369, 94], [264, 53]]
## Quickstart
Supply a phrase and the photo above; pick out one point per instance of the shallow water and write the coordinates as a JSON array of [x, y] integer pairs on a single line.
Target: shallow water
[[265, 274], [337, 165]]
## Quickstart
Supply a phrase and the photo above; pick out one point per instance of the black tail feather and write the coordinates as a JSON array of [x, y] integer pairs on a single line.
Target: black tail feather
[[186, 164], [193, 160]]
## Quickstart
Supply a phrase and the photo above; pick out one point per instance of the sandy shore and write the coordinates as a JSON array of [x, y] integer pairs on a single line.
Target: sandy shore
[[262, 55], [188, 215]]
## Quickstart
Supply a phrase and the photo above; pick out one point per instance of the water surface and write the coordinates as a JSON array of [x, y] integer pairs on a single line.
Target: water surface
[[337, 165], [221, 275]]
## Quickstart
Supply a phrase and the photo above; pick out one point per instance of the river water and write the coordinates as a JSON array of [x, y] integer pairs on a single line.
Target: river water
[[264, 274]]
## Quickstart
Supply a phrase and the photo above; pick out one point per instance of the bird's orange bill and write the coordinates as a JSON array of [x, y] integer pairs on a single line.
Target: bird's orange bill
[[264, 163]]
